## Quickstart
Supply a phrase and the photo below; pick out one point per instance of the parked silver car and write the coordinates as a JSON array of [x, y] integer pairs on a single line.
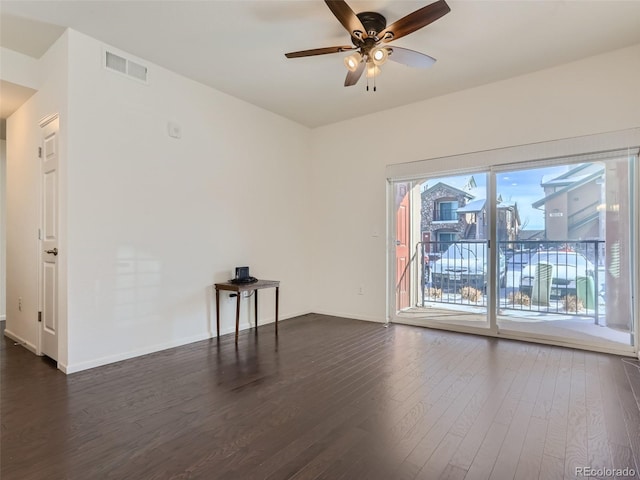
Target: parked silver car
[[567, 267], [465, 263]]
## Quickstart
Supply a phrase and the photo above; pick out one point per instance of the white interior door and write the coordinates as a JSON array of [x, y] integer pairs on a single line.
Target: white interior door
[[49, 243]]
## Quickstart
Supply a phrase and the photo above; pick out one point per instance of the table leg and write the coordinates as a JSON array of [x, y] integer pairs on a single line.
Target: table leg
[[277, 300], [218, 313], [255, 292], [238, 314]]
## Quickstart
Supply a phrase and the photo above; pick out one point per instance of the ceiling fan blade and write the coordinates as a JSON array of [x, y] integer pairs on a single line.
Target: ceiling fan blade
[[319, 51], [353, 77], [415, 21], [347, 17], [410, 58]]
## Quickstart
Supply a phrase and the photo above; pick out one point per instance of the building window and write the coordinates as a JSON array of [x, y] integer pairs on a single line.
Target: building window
[[447, 211], [445, 239]]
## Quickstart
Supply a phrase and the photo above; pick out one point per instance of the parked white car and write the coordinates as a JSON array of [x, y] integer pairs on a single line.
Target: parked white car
[[465, 263], [567, 267]]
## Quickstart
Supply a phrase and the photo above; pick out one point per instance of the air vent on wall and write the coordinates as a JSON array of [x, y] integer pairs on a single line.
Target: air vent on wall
[[120, 64]]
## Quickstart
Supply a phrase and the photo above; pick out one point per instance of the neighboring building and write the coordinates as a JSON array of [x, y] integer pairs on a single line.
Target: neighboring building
[[440, 222], [476, 218], [508, 222], [571, 203], [450, 214], [475, 214]]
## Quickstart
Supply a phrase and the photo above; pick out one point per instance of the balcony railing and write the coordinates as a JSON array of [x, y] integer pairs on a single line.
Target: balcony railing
[[555, 277]]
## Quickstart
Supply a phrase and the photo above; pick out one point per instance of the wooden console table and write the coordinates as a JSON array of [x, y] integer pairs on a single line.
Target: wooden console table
[[238, 288]]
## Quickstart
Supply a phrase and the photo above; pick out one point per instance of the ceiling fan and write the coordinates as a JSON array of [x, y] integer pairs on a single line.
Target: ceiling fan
[[370, 36]]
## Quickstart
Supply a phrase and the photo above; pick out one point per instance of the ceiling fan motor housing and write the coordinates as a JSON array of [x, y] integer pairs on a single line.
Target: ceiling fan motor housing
[[373, 22]]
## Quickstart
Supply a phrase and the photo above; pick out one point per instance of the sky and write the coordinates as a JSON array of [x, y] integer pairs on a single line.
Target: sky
[[518, 186]]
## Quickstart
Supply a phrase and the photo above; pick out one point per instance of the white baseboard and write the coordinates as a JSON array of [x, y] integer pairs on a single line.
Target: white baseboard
[[106, 360], [366, 318], [19, 340], [98, 362]]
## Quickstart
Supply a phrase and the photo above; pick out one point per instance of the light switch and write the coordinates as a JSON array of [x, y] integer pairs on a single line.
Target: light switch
[[174, 130]]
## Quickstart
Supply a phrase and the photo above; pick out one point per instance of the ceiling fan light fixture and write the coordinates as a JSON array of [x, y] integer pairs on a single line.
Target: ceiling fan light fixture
[[372, 70], [352, 61], [379, 55]]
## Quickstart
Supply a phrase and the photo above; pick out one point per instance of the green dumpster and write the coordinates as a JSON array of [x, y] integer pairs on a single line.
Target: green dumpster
[[586, 292]]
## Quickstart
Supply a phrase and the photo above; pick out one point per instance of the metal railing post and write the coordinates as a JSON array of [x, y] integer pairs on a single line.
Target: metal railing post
[[597, 286]]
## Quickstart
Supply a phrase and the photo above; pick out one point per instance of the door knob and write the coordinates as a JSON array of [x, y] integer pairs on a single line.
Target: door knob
[[53, 252]]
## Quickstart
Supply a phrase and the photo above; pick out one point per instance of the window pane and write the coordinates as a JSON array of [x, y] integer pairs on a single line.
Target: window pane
[[448, 211], [568, 264], [448, 271]]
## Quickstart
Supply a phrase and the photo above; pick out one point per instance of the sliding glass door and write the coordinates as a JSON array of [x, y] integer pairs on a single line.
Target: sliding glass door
[[540, 249]]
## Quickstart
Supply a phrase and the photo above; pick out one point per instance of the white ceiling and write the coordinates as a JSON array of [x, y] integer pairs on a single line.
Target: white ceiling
[[238, 46]]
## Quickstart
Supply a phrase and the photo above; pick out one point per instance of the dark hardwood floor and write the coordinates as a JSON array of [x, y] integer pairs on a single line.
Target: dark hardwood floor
[[329, 399]]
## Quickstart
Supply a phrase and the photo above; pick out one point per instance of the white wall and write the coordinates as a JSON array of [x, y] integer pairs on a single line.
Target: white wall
[[594, 95], [154, 221], [23, 197], [19, 69], [3, 230]]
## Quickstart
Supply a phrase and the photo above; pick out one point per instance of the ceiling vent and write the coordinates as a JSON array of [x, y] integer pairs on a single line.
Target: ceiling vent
[[125, 66]]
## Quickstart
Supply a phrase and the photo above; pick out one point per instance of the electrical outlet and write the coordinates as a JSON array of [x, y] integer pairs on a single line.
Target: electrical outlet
[[19, 304], [361, 290]]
